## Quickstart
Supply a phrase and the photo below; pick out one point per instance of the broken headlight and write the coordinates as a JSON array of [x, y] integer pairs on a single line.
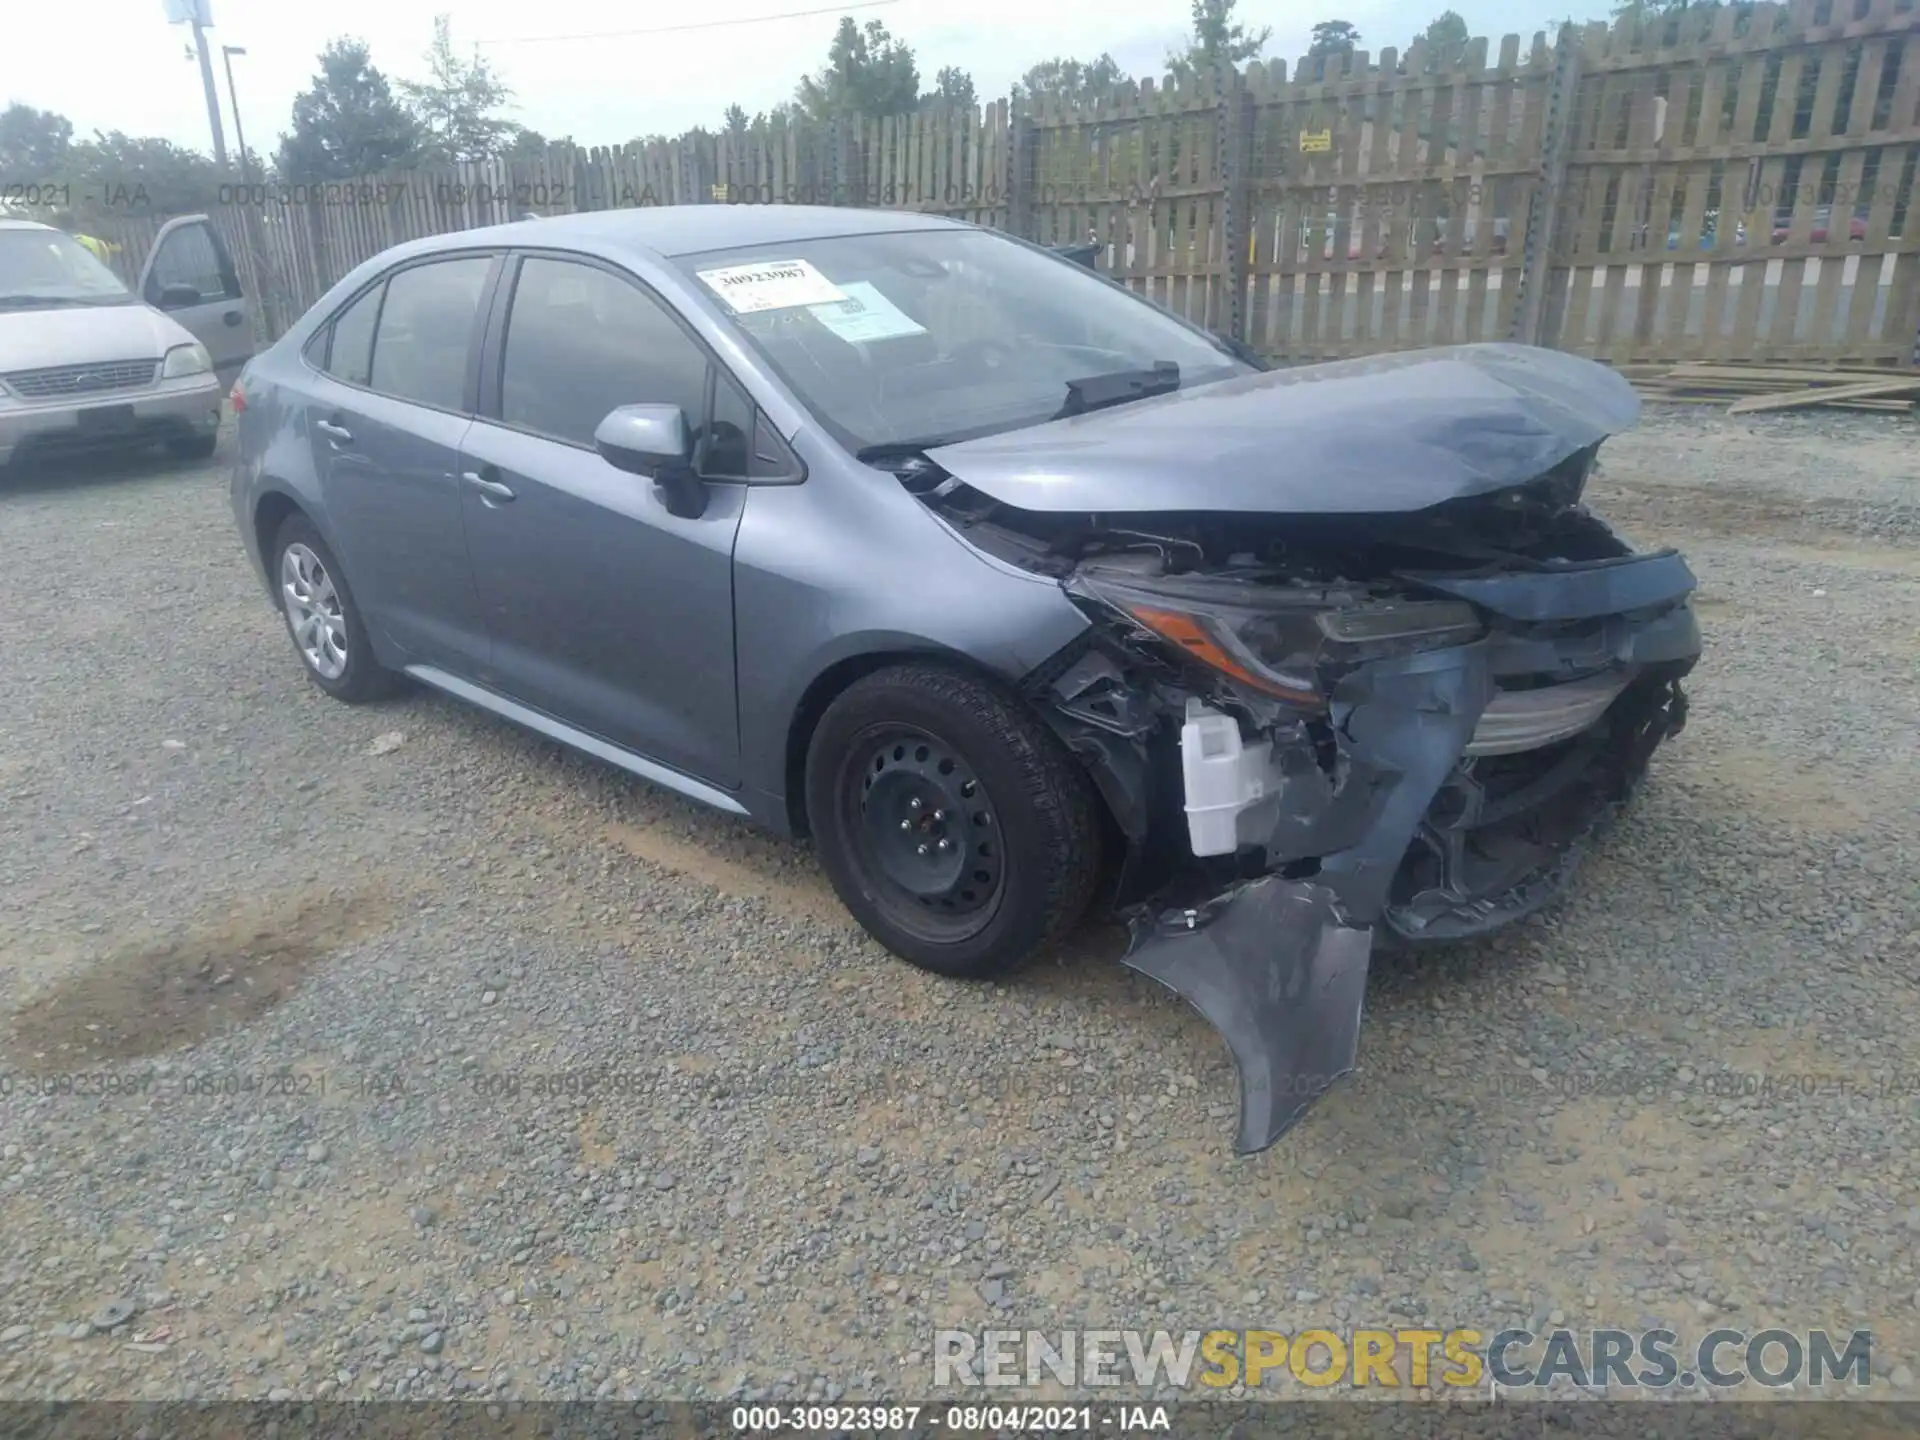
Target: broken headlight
[[1274, 640]]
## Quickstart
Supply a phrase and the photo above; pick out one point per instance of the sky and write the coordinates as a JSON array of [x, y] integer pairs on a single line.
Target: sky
[[118, 64]]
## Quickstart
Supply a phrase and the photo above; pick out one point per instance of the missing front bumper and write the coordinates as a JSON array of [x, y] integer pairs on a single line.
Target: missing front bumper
[[1439, 795], [1279, 966]]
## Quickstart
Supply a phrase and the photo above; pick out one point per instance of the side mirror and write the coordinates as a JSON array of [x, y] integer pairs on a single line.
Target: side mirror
[[178, 297], [652, 440]]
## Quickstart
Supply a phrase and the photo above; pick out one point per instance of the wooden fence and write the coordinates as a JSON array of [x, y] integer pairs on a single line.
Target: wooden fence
[[1733, 183], [1780, 161]]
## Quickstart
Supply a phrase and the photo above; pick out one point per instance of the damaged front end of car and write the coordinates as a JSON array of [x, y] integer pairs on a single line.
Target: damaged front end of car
[[1319, 731], [1361, 666], [1303, 765]]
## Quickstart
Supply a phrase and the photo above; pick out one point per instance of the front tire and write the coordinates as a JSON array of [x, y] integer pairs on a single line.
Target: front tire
[[955, 827], [324, 623]]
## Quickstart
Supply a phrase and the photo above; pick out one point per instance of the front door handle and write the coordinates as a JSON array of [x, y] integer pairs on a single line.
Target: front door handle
[[493, 489], [337, 433], [232, 317]]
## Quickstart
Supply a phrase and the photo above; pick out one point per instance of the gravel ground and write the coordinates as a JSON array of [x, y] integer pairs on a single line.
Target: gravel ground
[[313, 967]]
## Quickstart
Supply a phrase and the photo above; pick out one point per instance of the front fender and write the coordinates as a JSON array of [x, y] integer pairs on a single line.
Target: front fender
[[849, 564]]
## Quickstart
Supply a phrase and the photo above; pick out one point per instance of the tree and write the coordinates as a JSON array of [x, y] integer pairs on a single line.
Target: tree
[[1217, 40], [117, 171], [769, 123], [531, 144], [868, 73], [952, 88], [112, 172], [34, 145], [735, 121], [1642, 13], [456, 105], [1653, 9], [1334, 37], [1446, 36], [347, 122], [1071, 83]]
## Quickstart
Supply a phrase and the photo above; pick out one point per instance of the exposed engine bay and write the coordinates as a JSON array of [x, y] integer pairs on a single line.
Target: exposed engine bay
[[1315, 729]]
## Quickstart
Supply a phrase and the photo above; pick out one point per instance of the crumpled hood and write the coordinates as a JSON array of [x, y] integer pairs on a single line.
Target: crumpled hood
[[1384, 434], [36, 339]]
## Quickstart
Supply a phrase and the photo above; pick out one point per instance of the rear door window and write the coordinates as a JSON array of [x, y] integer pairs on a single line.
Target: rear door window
[[425, 331], [351, 357]]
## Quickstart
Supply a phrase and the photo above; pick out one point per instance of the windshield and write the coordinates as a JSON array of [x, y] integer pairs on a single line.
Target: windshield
[[51, 268], [921, 337]]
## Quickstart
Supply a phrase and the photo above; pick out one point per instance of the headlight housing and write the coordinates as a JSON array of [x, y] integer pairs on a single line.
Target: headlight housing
[[1278, 641], [185, 360]]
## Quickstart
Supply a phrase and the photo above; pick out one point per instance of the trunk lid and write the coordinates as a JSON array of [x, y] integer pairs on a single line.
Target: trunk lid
[[1380, 435]]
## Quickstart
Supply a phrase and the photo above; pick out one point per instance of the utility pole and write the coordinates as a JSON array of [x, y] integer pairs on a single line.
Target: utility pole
[[213, 95]]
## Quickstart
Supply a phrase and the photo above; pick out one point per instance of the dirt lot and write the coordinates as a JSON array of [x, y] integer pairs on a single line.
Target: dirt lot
[[319, 976]]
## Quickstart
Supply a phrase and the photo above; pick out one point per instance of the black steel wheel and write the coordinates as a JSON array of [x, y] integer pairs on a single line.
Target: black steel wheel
[[954, 826], [927, 825]]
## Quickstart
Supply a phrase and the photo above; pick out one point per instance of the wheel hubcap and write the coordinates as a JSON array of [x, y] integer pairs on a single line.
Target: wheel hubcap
[[313, 611], [929, 826]]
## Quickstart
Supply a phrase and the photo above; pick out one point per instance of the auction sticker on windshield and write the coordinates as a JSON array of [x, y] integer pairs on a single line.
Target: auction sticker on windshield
[[866, 315], [771, 285]]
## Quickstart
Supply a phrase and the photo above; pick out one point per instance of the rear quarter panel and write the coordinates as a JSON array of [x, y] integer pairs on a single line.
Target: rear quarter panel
[[273, 454]]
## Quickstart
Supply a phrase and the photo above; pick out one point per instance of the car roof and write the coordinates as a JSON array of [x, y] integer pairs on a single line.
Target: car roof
[[670, 230], [8, 223]]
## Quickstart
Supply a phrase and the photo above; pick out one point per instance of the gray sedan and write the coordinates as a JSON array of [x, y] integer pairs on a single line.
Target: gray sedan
[[1009, 588]]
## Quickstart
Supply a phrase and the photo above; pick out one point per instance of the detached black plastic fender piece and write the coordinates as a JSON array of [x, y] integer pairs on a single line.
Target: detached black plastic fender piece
[[1282, 979]]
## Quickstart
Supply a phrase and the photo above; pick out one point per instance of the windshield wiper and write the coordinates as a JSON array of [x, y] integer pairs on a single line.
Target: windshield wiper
[[10, 302], [1117, 387], [900, 449], [1090, 392]]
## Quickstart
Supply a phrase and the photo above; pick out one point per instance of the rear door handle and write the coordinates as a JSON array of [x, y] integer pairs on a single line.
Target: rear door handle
[[334, 432], [494, 489]]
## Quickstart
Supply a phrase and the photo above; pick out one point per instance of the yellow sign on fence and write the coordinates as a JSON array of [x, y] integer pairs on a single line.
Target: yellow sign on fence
[[1316, 142]]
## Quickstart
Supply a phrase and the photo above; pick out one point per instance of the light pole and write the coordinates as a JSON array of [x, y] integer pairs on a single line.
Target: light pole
[[249, 215], [227, 52]]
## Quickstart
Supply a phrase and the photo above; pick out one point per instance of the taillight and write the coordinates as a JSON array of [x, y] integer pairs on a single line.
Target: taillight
[[237, 398]]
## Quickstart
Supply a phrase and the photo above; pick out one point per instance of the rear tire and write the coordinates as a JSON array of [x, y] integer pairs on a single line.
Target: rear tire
[[322, 619], [193, 447], [957, 829]]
